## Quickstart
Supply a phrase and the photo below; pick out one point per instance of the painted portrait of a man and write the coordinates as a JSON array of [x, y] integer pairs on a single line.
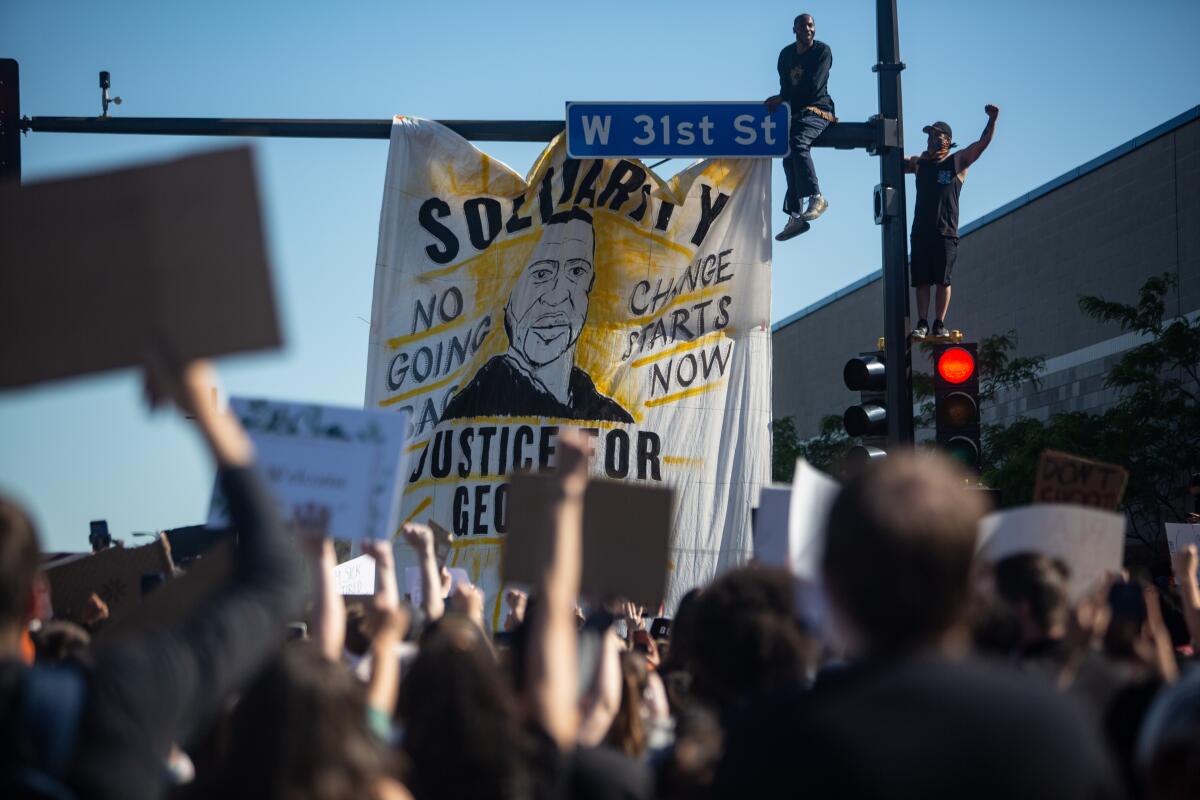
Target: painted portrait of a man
[[544, 315]]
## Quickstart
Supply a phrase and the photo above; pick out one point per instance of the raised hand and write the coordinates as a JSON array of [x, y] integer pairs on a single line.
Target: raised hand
[[991, 110], [418, 536]]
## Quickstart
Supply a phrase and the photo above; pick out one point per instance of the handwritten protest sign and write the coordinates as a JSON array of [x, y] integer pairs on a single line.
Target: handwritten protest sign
[[1090, 541], [356, 576], [177, 600], [347, 460], [1064, 478], [114, 574], [588, 293], [96, 267]]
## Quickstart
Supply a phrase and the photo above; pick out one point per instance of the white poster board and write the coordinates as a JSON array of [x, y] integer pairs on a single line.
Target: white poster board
[[1090, 541], [771, 544], [356, 576], [346, 459], [813, 493]]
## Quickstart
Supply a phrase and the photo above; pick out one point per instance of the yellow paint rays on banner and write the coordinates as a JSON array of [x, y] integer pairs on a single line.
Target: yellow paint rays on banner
[[421, 506], [428, 387], [695, 390], [683, 461], [679, 348], [530, 238]]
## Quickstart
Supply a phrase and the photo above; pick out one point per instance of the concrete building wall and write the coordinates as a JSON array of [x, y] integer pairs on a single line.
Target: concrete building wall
[[1101, 229]]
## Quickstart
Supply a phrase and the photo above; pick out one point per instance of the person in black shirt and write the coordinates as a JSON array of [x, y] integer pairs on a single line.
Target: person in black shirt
[[940, 175], [803, 77]]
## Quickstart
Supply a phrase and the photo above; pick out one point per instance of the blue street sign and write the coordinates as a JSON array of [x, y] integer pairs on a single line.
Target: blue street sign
[[676, 130]]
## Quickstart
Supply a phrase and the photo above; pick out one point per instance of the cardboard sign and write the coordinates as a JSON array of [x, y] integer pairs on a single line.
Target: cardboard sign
[[626, 534], [1064, 478], [179, 599], [1090, 541], [98, 267], [115, 574], [1180, 536], [346, 459]]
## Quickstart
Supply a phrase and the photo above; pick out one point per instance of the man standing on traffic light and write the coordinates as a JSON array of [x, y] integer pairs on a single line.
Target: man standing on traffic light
[[940, 175], [803, 75]]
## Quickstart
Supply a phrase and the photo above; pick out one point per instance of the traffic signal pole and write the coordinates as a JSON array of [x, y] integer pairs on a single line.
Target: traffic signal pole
[[890, 208]]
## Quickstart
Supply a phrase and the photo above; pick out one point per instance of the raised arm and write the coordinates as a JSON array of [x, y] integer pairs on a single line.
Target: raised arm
[[973, 151], [390, 622], [420, 538], [552, 663], [1185, 563], [328, 622], [149, 690]]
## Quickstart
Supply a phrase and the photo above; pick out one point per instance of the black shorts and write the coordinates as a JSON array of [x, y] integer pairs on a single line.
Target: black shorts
[[932, 260]]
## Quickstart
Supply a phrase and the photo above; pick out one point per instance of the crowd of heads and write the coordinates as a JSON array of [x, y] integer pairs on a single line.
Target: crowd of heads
[[583, 697]]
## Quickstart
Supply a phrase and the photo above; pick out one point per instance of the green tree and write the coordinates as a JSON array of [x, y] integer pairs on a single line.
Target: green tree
[[1153, 429]]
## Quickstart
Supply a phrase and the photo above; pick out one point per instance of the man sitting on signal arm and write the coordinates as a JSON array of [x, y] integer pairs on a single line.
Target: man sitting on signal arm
[[803, 78]]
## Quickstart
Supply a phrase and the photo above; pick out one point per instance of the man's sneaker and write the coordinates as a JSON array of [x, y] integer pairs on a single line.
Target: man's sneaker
[[816, 207], [922, 329], [938, 329], [795, 226]]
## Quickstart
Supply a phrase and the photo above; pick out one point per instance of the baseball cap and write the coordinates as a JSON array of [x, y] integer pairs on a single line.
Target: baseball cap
[[940, 127]]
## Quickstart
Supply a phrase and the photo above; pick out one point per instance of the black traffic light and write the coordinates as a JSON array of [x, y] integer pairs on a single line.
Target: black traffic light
[[867, 375], [956, 402]]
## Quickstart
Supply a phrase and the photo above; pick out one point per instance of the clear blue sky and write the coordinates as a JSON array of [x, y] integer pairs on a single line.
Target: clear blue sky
[[1073, 78]]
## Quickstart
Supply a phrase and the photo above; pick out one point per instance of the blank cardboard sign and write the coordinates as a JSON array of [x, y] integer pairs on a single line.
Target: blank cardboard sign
[[1064, 478], [626, 533], [97, 267]]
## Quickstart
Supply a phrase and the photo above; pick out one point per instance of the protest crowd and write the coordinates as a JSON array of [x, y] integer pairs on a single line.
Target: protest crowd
[[914, 671]]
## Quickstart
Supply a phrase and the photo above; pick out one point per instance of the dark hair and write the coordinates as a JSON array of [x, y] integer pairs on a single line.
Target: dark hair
[[300, 731], [799, 17], [747, 640], [60, 640], [900, 540], [19, 560], [1037, 581], [462, 732]]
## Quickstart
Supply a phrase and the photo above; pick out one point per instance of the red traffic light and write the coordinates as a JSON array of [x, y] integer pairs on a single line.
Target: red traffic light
[[956, 365]]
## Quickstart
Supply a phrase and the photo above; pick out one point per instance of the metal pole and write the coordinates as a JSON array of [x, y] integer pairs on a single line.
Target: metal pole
[[897, 348], [10, 120], [843, 136]]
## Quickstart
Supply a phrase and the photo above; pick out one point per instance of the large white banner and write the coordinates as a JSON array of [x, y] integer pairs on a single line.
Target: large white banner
[[590, 294]]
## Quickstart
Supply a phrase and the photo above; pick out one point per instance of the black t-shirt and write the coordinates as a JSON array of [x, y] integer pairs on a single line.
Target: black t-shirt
[[921, 728], [938, 187], [803, 77]]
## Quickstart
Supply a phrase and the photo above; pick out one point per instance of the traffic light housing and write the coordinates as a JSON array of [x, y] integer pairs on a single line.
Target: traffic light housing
[[956, 402], [867, 375]]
